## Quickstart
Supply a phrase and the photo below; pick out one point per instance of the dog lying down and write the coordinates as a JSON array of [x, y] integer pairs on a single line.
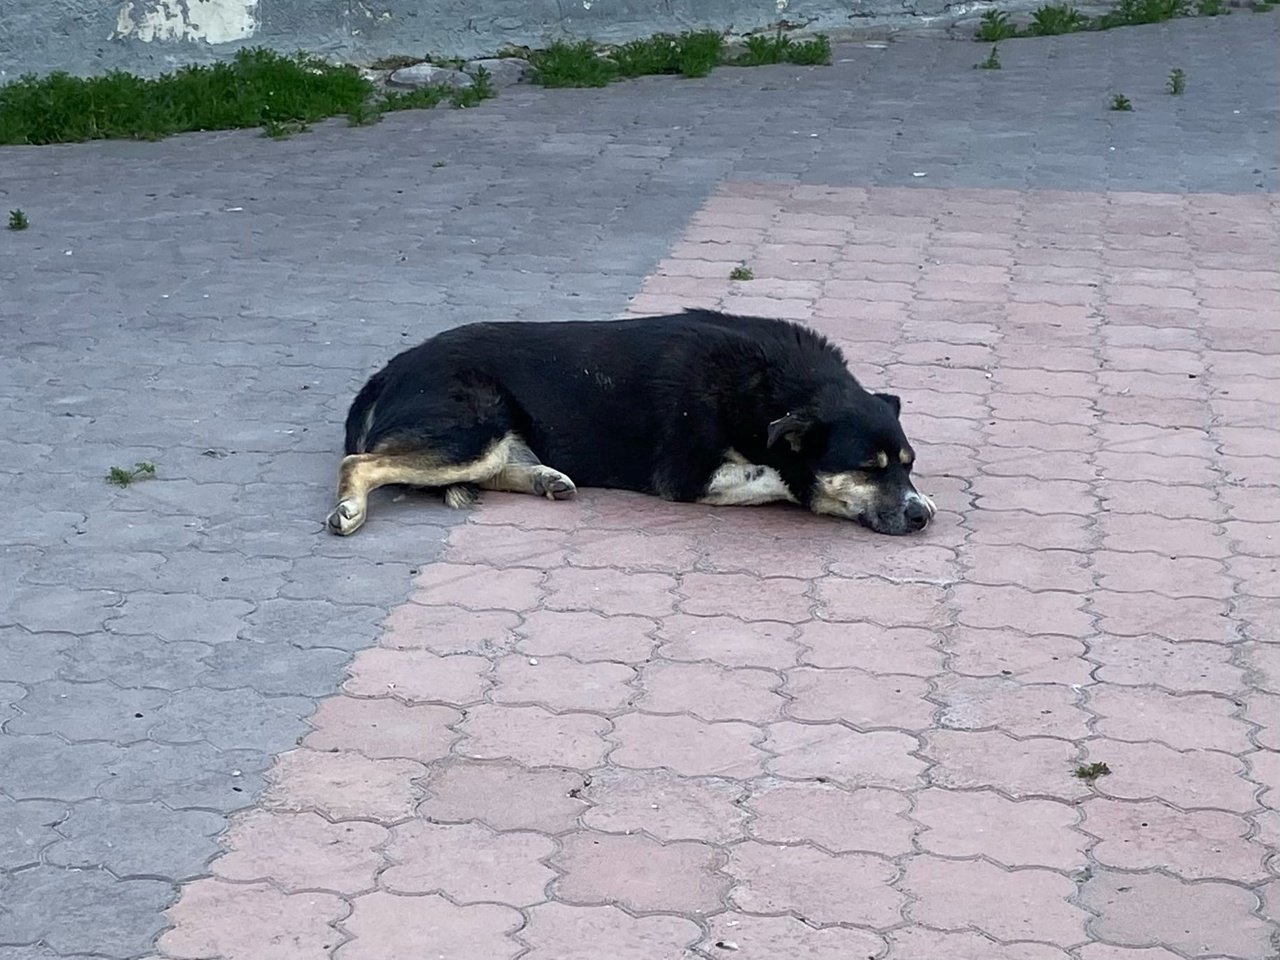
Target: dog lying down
[[698, 406]]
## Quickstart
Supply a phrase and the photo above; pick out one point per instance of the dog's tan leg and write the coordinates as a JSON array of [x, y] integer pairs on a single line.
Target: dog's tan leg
[[362, 473], [525, 473], [737, 484]]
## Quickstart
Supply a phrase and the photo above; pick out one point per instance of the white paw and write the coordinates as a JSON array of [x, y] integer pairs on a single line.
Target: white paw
[[346, 518]]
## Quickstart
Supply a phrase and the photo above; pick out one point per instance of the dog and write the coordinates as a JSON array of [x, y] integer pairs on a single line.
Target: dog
[[698, 406]]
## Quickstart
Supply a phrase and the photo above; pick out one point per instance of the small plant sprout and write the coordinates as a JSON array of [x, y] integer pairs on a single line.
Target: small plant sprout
[[741, 273], [1177, 82], [1050, 21], [120, 477], [1120, 102], [1090, 772], [992, 62], [18, 220]]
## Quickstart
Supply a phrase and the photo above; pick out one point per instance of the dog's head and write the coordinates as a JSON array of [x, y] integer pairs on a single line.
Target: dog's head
[[861, 463]]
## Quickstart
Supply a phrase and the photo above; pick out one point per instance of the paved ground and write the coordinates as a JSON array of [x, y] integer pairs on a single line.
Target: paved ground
[[619, 727]]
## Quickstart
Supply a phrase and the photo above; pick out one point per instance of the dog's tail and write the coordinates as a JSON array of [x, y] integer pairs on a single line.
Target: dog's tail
[[360, 416]]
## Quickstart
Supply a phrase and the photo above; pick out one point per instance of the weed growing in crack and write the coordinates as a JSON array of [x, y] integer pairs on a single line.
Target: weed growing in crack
[[995, 26], [742, 273], [1089, 773], [120, 477], [18, 220], [1051, 21], [992, 62], [1177, 82], [1120, 102]]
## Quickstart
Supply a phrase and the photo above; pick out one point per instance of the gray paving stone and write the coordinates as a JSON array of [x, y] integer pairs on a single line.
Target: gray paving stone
[[309, 623], [133, 661], [256, 722], [48, 768], [191, 775], [31, 657], [188, 617], [58, 609], [81, 911], [137, 839], [26, 828], [273, 668], [81, 712]]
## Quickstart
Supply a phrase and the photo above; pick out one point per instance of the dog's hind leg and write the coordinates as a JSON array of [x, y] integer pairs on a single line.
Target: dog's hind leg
[[362, 473], [525, 473]]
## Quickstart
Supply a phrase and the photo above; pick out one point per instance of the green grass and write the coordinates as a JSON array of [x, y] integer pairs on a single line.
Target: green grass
[[1054, 19], [584, 64], [1092, 771], [1051, 21], [742, 273], [120, 477], [1177, 82], [258, 88], [1120, 102], [18, 220]]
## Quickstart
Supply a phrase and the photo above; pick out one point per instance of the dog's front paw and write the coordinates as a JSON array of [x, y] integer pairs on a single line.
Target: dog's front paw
[[554, 485], [346, 518]]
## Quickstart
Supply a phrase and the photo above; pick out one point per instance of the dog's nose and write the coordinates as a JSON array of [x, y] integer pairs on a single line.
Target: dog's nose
[[916, 513]]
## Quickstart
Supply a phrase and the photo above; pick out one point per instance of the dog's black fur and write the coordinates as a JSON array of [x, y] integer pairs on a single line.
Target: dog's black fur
[[693, 406]]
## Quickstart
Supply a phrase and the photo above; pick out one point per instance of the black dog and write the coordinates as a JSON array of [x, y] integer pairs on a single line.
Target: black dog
[[698, 406]]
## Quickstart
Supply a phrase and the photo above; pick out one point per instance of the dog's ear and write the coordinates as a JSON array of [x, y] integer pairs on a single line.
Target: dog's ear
[[894, 402], [792, 428]]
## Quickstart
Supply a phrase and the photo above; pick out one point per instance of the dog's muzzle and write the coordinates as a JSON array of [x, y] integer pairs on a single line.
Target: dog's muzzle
[[915, 513]]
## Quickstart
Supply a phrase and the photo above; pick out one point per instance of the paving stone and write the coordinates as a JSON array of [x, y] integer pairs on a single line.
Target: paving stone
[[137, 839], [665, 806], [88, 711], [504, 795], [851, 888], [468, 863], [26, 828], [302, 851], [639, 874], [381, 922]]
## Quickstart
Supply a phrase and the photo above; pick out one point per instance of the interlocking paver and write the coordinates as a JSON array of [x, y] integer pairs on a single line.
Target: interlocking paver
[[558, 713]]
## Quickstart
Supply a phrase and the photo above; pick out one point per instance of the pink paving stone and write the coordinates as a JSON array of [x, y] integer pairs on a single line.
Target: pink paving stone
[[917, 943], [1259, 576], [1019, 406], [1104, 951], [1187, 618], [1176, 666], [867, 820], [503, 795], [640, 874], [1264, 710], [770, 938], [1039, 766], [418, 676], [468, 863], [1181, 577], [1196, 846], [1019, 709], [586, 636], [665, 805], [533, 736], [634, 550], [301, 851], [888, 604], [478, 587], [1199, 920], [1028, 568], [1184, 722], [729, 641], [734, 548], [1191, 779], [831, 751], [1031, 660], [999, 494], [869, 647], [383, 729], [846, 888], [446, 630], [560, 684], [382, 923], [858, 698], [750, 598], [911, 561], [1172, 537], [1023, 610], [558, 931], [1025, 904], [342, 786], [1023, 833], [235, 921], [610, 592], [499, 545], [687, 746], [1060, 531], [710, 691], [1046, 466]]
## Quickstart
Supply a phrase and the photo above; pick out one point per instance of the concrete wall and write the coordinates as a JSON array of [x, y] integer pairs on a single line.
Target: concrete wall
[[147, 36]]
